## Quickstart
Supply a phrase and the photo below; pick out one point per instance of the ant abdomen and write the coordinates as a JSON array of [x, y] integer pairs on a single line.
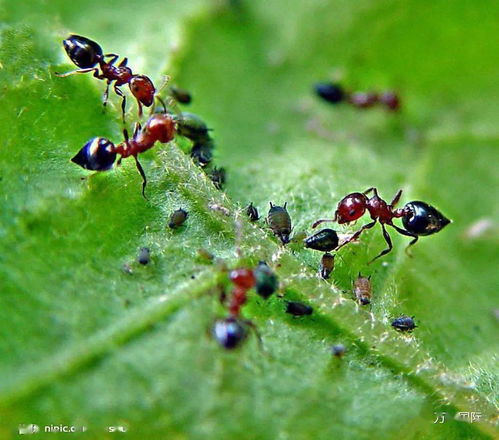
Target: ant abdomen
[[82, 51], [98, 154]]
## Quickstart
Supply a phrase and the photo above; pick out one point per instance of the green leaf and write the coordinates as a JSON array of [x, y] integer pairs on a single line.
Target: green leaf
[[86, 343]]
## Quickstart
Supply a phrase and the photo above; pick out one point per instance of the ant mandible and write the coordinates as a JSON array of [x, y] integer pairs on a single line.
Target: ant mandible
[[87, 54], [99, 154], [354, 206]]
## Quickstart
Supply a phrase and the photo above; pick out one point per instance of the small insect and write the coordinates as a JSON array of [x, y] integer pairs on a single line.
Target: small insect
[[177, 218], [390, 100], [279, 221], [338, 350], [423, 219], [266, 281], [330, 92], [192, 127], [404, 324], [354, 205], [363, 100], [205, 255], [219, 208], [325, 240], [99, 154], [363, 290], [144, 256], [180, 95], [202, 153], [327, 265], [87, 55], [217, 176], [298, 309], [230, 332], [252, 212]]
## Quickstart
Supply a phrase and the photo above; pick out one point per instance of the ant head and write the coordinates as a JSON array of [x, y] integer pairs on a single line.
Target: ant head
[[83, 52], [423, 219], [351, 208], [98, 154], [143, 89], [161, 126]]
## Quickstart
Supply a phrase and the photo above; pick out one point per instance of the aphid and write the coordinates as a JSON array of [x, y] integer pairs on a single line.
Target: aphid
[[327, 265], [338, 350], [404, 324], [391, 100], [330, 92], [252, 212], [180, 95], [205, 254], [363, 100], [423, 219], [144, 256], [298, 309], [87, 55], [325, 240], [99, 154], [266, 282], [279, 221], [363, 290], [217, 176], [177, 218], [219, 208], [355, 205], [192, 127], [202, 153], [230, 332]]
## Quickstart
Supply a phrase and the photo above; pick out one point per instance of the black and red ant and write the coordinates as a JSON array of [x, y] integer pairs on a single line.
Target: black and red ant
[[231, 331], [418, 218], [87, 54], [99, 154]]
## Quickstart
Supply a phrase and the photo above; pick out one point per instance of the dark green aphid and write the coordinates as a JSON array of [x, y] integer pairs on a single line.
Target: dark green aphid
[[217, 176], [180, 95], [252, 212], [192, 127], [279, 221], [423, 219], [404, 324], [298, 309], [178, 218], [202, 153], [144, 256], [338, 350], [325, 240], [327, 265], [266, 280]]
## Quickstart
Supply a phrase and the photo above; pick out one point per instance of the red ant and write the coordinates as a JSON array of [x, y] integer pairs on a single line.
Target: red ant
[[99, 154], [87, 54], [354, 206], [230, 332]]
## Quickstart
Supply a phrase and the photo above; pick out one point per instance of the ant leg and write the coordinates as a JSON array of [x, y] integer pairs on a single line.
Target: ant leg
[[125, 135], [105, 96], [388, 241], [257, 334], [324, 220], [123, 63], [357, 234], [123, 101], [72, 72], [144, 179], [136, 129], [140, 108], [113, 57], [415, 238], [160, 99], [372, 189], [396, 198]]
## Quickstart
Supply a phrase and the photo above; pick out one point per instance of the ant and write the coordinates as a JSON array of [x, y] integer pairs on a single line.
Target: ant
[[87, 54], [354, 206], [231, 331], [99, 154]]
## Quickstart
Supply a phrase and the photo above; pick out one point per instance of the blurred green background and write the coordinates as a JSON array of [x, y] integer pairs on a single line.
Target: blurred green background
[[83, 343]]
